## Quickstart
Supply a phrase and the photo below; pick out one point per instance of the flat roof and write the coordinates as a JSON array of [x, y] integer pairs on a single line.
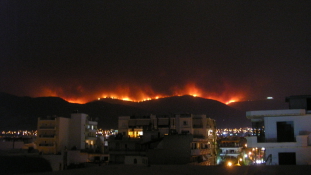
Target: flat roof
[[275, 113]]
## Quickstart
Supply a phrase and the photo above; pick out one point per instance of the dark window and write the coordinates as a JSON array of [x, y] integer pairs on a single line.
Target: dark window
[[259, 130], [285, 131], [287, 158], [308, 104]]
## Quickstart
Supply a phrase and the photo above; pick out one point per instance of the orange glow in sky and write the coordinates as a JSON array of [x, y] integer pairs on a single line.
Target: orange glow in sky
[[140, 94]]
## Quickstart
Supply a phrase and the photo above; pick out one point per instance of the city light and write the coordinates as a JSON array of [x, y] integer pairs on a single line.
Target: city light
[[229, 164], [241, 132]]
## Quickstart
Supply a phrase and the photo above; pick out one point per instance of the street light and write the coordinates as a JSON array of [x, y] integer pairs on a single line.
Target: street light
[[229, 163]]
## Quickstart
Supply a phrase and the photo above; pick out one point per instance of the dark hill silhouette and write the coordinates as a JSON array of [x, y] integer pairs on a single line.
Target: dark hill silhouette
[[224, 115], [260, 105], [23, 112]]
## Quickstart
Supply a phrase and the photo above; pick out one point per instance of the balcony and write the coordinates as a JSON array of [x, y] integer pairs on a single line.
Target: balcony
[[230, 152], [301, 140], [230, 145]]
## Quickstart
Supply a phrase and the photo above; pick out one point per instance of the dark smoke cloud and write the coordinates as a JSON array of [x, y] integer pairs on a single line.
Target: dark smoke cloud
[[82, 49]]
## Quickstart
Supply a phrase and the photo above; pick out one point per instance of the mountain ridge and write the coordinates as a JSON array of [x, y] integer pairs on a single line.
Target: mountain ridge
[[23, 112]]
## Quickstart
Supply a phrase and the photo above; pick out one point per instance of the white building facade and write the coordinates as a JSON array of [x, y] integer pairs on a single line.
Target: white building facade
[[282, 136], [55, 134]]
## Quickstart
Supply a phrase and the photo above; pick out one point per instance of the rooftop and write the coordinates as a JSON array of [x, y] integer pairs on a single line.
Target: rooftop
[[275, 113]]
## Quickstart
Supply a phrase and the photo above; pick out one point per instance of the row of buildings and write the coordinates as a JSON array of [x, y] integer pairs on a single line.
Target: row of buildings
[[156, 139], [162, 139], [279, 137]]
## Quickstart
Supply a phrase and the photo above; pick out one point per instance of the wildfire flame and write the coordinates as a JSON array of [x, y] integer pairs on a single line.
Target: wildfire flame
[[144, 93]]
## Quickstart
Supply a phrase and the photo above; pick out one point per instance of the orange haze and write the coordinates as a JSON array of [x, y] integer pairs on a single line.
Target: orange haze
[[141, 93]]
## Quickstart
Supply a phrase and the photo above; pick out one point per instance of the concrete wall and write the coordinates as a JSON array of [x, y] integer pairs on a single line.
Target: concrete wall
[[76, 157], [303, 154], [300, 147], [56, 161], [63, 133], [123, 124], [73, 157], [77, 131], [301, 124], [173, 149], [136, 160], [8, 145]]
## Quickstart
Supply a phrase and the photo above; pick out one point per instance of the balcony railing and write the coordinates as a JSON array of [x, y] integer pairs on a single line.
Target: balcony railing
[[301, 140], [230, 152], [230, 145]]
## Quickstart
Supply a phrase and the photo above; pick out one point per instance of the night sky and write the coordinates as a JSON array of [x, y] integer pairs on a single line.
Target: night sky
[[225, 50]]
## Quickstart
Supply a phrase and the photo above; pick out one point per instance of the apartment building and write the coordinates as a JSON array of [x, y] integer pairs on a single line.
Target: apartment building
[[282, 137], [52, 134], [230, 149], [82, 133], [55, 134], [151, 132]]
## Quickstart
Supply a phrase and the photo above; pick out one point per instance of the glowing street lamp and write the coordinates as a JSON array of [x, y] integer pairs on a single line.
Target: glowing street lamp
[[229, 163]]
